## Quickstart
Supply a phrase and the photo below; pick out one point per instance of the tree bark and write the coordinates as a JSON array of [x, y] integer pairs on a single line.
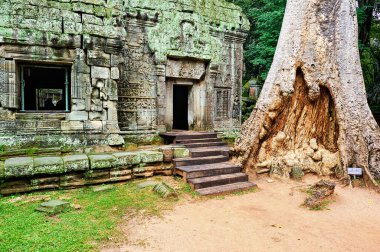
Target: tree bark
[[313, 112]]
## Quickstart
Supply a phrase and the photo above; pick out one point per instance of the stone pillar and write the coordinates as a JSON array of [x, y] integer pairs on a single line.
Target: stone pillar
[[161, 97]]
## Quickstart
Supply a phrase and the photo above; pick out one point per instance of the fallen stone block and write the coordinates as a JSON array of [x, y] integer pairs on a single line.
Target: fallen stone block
[[53, 207], [165, 191]]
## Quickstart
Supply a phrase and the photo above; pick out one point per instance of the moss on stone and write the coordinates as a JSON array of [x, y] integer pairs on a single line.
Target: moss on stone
[[102, 161], [18, 167], [48, 165]]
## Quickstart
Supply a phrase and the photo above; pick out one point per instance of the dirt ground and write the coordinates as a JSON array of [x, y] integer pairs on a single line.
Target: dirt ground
[[270, 219]]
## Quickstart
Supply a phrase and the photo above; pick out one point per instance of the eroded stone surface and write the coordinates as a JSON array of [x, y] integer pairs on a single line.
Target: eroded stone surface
[[102, 161], [48, 165], [18, 167], [76, 163]]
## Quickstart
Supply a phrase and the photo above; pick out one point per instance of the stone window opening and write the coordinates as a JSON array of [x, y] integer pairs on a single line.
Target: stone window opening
[[45, 88]]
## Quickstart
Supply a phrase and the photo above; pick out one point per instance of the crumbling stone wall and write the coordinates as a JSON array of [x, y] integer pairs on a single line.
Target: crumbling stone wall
[[118, 52]]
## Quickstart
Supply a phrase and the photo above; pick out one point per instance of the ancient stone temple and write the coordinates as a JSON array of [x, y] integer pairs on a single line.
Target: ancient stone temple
[[88, 71]]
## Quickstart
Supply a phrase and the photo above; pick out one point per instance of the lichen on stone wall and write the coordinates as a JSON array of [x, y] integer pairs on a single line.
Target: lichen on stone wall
[[186, 28]]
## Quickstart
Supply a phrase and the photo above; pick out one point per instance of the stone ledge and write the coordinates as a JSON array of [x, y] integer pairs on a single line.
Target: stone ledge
[[48, 165], [20, 167]]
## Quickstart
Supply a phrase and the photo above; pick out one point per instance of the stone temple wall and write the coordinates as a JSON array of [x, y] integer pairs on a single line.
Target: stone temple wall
[[123, 56]]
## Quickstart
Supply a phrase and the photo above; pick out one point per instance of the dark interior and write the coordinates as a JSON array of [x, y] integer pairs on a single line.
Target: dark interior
[[45, 88], [180, 107]]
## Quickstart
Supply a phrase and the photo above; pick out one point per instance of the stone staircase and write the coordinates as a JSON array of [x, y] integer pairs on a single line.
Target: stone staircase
[[208, 170]]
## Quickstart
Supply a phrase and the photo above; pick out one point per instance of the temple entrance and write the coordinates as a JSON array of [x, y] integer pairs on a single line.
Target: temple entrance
[[180, 107]]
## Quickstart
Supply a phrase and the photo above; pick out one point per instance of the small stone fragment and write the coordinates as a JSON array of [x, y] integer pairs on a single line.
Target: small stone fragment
[[53, 207]]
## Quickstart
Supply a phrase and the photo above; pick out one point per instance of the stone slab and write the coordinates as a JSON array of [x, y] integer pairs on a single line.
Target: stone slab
[[151, 156], [76, 163], [54, 207], [102, 161], [127, 158], [48, 165], [18, 167]]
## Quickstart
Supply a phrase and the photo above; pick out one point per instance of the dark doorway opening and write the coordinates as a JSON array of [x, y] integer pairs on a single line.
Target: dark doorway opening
[[45, 88], [180, 107]]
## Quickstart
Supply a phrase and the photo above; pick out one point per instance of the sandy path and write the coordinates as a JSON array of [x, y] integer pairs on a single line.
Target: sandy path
[[268, 220]]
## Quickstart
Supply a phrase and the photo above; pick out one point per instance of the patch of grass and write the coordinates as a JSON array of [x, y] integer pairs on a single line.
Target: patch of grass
[[24, 229], [2, 148], [31, 151]]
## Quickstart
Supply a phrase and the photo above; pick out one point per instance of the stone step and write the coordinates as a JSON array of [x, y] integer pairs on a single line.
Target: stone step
[[209, 144], [198, 183], [209, 151], [199, 160], [198, 135], [198, 140], [222, 189], [207, 170]]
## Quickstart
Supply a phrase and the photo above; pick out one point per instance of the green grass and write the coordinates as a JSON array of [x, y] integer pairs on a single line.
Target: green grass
[[24, 229]]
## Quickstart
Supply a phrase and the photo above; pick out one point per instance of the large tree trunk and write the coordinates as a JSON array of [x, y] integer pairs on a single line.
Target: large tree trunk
[[313, 113]]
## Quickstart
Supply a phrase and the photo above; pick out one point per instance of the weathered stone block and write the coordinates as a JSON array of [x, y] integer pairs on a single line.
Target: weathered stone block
[[115, 74], [151, 156], [78, 104], [82, 7], [93, 126], [127, 158], [76, 163], [78, 116], [71, 125], [120, 174], [54, 207], [180, 152], [103, 161], [115, 140], [98, 58], [18, 167], [48, 165], [91, 19], [72, 27], [168, 153], [100, 116], [100, 72]]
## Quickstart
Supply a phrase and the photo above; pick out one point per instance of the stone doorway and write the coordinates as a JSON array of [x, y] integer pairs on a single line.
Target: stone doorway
[[181, 107]]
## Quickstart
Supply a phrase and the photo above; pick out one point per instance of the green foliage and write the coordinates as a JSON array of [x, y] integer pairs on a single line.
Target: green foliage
[[266, 19], [2, 148], [24, 229]]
